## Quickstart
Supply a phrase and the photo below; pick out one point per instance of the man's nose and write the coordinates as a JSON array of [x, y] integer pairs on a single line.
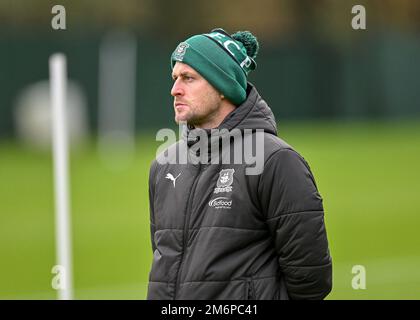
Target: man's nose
[[177, 89]]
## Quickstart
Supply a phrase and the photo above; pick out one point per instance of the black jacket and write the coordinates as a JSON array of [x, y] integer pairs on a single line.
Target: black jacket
[[218, 233]]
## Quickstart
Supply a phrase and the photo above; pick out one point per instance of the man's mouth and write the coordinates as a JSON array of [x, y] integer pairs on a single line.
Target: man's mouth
[[180, 105]]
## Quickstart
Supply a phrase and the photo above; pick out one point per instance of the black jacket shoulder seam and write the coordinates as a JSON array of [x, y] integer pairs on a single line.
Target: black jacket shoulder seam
[[293, 213]]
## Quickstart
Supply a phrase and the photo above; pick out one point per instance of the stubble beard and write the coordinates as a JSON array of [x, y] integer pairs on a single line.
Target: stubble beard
[[195, 119]]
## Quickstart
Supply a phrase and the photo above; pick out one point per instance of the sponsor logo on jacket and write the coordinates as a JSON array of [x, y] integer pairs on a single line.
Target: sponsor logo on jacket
[[172, 178], [221, 203]]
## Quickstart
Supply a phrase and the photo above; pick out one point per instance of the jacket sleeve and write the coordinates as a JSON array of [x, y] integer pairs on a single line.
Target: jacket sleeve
[[294, 213], [152, 182]]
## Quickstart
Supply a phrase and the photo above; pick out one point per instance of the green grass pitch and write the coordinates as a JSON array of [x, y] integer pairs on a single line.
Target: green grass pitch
[[367, 173]]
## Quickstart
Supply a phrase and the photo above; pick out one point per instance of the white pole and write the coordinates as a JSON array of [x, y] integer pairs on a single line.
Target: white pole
[[58, 88]]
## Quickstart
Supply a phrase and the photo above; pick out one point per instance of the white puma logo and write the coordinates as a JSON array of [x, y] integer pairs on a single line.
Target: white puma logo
[[171, 177]]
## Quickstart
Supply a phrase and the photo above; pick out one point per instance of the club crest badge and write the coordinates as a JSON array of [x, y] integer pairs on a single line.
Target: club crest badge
[[224, 183], [180, 51]]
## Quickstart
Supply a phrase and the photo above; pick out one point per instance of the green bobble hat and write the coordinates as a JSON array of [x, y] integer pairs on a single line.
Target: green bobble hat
[[223, 60]]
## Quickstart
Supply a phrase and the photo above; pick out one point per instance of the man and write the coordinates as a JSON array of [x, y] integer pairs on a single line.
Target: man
[[216, 231]]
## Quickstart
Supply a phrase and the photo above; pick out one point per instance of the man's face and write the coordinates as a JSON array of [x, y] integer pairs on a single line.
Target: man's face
[[195, 100]]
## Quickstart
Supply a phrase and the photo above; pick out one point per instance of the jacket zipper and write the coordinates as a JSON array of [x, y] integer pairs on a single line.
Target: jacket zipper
[[186, 228], [250, 289]]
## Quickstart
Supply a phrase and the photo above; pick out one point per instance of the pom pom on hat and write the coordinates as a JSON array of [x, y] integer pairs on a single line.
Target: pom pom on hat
[[249, 41]]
